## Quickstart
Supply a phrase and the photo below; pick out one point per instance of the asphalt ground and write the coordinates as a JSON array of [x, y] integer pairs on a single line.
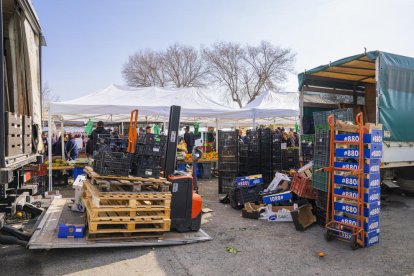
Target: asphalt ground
[[265, 249]]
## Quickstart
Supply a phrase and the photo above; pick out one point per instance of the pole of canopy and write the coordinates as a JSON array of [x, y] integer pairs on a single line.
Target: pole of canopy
[[49, 146], [254, 119], [217, 137], [122, 128], [62, 127]]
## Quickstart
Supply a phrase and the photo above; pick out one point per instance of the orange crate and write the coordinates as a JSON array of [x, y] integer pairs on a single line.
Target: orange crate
[[303, 187]]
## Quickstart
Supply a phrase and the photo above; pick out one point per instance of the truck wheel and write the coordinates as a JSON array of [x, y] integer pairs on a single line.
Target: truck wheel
[[353, 242], [328, 235]]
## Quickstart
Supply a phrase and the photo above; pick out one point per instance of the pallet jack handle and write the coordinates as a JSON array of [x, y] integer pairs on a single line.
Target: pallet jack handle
[[133, 134]]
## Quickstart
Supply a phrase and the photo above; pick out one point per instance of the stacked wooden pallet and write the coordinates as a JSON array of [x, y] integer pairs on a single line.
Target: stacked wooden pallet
[[126, 207]]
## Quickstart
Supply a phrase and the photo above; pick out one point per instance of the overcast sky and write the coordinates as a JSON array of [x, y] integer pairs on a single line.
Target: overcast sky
[[89, 41]]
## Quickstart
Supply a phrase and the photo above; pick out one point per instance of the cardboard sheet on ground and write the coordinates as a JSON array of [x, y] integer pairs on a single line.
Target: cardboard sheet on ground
[[45, 235]]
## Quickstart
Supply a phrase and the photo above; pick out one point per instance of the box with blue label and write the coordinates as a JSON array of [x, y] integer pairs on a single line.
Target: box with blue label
[[375, 137], [370, 195], [275, 198], [372, 237], [370, 223], [352, 181], [249, 181], [373, 151], [372, 166], [71, 230], [370, 209]]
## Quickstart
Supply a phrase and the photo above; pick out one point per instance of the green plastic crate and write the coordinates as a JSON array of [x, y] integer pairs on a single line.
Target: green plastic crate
[[319, 179]]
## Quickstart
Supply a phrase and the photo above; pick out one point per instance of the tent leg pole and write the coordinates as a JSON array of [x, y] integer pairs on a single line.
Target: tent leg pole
[[122, 128], [217, 126], [49, 148], [254, 121], [63, 139]]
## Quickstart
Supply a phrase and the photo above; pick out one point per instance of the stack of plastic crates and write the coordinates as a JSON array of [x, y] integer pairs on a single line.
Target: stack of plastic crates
[[321, 155], [276, 153], [228, 161], [307, 143], [149, 150], [253, 155], [112, 163], [290, 158], [265, 137], [111, 142]]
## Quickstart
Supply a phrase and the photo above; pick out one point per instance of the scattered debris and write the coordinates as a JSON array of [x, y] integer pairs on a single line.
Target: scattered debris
[[231, 249]]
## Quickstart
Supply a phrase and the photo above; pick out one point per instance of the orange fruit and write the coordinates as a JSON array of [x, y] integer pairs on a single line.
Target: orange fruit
[[321, 254]]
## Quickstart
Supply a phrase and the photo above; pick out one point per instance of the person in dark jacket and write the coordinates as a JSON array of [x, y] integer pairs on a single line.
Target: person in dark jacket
[[189, 139], [71, 148], [96, 132]]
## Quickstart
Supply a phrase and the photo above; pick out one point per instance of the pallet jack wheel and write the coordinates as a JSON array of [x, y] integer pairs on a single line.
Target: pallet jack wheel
[[328, 235], [353, 242]]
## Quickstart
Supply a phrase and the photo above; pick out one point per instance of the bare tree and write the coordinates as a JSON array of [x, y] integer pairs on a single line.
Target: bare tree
[[248, 71], [184, 66], [225, 63], [178, 66], [145, 68]]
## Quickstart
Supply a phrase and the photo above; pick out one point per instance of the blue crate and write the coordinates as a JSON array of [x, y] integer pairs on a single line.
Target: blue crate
[[375, 137], [352, 181], [371, 166], [76, 172], [370, 223], [71, 230], [249, 181], [371, 209], [275, 198], [370, 195], [375, 151], [372, 237]]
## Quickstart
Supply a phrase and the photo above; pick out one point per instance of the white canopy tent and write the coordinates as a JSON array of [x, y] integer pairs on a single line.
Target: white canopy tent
[[115, 102]]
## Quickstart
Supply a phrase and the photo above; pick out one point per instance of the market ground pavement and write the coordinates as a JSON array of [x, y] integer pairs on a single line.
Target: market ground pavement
[[265, 249]]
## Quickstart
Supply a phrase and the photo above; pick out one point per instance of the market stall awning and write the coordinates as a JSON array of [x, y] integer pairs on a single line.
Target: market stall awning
[[115, 102]]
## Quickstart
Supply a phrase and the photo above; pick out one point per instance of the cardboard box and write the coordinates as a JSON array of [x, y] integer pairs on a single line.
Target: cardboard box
[[275, 198], [251, 210], [279, 213], [249, 181], [78, 185]]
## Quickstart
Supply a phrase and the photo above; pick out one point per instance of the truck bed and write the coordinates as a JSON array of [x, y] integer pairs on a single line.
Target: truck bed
[[45, 235]]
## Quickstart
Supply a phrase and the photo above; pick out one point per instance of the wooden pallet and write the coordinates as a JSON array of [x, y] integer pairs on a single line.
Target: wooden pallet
[[123, 236], [127, 183]]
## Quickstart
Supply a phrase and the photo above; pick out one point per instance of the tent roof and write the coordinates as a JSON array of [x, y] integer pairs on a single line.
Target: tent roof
[[115, 102], [274, 104], [358, 69]]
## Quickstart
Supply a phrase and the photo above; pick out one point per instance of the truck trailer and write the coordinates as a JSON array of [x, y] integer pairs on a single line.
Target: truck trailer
[[379, 84], [20, 100]]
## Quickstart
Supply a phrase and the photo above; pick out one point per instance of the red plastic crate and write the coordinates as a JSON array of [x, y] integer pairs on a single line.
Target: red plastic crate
[[36, 170], [303, 187]]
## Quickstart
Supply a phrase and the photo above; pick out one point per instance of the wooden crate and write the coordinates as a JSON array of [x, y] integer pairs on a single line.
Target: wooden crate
[[127, 183], [123, 236], [14, 144], [126, 212], [13, 123]]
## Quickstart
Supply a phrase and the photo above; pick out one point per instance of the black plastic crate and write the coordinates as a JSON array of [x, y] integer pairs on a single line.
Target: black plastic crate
[[227, 158], [228, 135], [152, 139], [232, 150], [249, 194], [110, 142], [155, 150], [222, 167], [226, 184], [229, 174], [146, 160], [147, 172], [112, 163]]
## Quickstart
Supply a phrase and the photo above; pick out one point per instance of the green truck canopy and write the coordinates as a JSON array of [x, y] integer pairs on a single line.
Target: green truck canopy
[[395, 85]]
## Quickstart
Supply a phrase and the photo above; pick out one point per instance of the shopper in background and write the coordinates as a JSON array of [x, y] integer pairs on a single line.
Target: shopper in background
[[285, 139], [71, 148], [189, 139], [181, 147], [95, 134], [240, 135], [79, 141], [148, 130]]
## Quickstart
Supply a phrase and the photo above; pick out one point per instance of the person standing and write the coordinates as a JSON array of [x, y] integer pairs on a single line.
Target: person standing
[[71, 148], [189, 139], [148, 130], [96, 132]]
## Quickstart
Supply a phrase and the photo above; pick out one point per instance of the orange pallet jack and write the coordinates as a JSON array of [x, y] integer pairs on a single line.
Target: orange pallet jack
[[133, 134], [354, 234]]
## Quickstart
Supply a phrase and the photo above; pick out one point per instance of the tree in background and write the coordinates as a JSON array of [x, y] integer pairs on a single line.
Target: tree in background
[[178, 66], [244, 71], [248, 71]]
